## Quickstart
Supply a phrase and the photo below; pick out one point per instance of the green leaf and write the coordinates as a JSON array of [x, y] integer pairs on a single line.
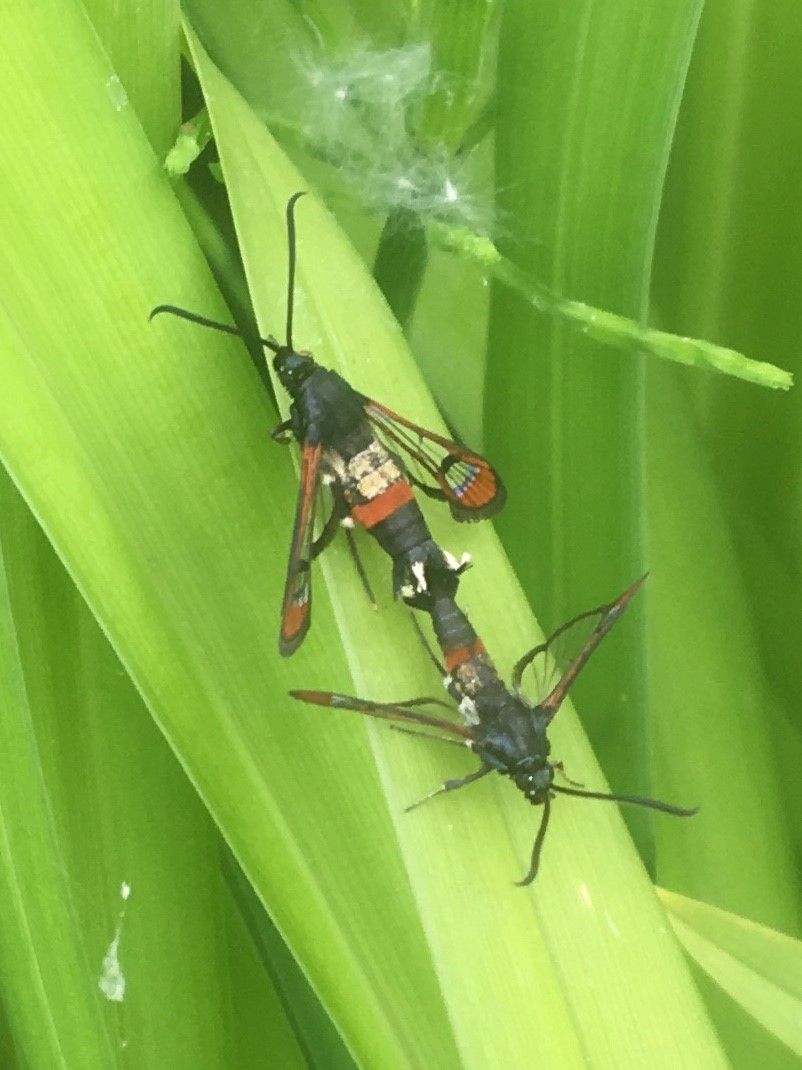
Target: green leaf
[[50, 990], [142, 42], [94, 803], [760, 968], [460, 34], [563, 416], [705, 732], [723, 523]]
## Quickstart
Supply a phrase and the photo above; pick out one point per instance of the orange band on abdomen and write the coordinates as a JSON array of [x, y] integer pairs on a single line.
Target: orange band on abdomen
[[459, 655], [383, 505]]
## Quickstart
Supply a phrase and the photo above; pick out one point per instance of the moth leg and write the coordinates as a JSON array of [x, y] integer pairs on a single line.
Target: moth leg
[[360, 568], [427, 701], [426, 735], [452, 785], [282, 433], [440, 668], [330, 529], [340, 517]]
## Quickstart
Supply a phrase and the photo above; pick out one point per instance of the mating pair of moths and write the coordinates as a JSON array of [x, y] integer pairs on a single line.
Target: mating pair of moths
[[348, 441]]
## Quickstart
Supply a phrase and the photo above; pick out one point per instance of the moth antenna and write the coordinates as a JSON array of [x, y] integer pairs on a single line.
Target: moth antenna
[[634, 800], [291, 242], [203, 321], [537, 847]]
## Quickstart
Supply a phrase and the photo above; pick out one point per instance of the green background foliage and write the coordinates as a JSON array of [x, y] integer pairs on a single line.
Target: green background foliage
[[283, 910]]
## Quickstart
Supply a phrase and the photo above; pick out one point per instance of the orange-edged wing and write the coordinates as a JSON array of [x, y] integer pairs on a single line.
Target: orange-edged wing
[[296, 610], [471, 486], [385, 711], [568, 649]]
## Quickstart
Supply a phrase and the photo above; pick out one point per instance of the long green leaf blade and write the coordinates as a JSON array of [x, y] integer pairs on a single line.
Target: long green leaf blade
[[50, 989], [759, 967]]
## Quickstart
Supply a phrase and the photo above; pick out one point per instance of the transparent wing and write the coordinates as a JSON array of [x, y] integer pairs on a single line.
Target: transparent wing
[[385, 711], [471, 486], [557, 662]]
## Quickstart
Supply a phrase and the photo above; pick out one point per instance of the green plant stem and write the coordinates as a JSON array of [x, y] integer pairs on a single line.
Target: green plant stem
[[608, 327]]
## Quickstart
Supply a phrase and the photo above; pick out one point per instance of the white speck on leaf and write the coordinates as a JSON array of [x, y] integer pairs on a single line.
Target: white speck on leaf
[[117, 93], [112, 980]]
